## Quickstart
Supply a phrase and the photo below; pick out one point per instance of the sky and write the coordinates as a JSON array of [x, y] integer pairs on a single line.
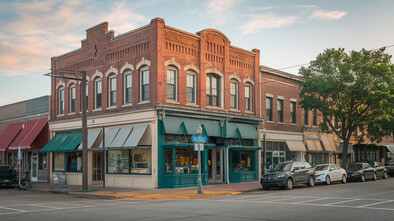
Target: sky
[[287, 32]]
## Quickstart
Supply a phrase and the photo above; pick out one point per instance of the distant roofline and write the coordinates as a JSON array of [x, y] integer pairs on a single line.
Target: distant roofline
[[25, 100], [273, 71]]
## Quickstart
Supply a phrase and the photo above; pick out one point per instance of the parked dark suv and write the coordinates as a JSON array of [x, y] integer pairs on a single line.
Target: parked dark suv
[[7, 176], [288, 174]]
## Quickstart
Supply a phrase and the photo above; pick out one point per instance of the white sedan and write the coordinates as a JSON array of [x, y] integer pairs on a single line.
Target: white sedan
[[327, 173]]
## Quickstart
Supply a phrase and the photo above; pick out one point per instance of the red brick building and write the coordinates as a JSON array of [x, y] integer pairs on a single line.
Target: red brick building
[[148, 90]]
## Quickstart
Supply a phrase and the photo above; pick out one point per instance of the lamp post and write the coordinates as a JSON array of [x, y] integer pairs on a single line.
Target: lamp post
[[264, 150], [199, 132]]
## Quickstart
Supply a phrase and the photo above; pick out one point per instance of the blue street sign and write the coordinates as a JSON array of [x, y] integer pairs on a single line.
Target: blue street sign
[[199, 139]]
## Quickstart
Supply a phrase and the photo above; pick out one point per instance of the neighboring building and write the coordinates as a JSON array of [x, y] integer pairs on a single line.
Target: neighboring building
[[24, 125], [292, 132], [148, 90]]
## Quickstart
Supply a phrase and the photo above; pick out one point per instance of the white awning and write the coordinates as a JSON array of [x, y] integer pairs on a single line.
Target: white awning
[[134, 139], [92, 137]]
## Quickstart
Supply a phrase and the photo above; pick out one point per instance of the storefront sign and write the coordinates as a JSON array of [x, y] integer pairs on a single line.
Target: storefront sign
[[199, 139]]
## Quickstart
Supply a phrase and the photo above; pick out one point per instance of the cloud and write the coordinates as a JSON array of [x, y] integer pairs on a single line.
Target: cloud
[[43, 29], [267, 21], [327, 15], [223, 10]]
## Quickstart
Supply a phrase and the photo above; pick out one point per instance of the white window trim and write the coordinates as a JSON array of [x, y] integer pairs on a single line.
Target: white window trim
[[125, 73], [221, 92], [236, 108], [95, 95], [75, 99], [140, 85], [250, 97], [195, 88], [109, 91], [176, 84], [61, 89]]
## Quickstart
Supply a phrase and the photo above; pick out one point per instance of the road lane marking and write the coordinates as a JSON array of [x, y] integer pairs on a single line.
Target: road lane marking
[[292, 198], [374, 194], [19, 210], [372, 204], [306, 201], [341, 202]]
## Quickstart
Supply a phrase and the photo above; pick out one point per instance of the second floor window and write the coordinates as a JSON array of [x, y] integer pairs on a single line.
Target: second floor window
[[145, 85], [61, 101], [112, 91], [191, 88], [212, 90], [248, 98], [98, 94], [234, 95], [268, 103], [128, 88], [314, 117], [280, 110], [306, 116], [72, 99], [171, 84], [293, 119]]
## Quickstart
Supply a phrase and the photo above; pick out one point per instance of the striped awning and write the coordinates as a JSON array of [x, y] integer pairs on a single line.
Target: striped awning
[[295, 145], [314, 145], [328, 142]]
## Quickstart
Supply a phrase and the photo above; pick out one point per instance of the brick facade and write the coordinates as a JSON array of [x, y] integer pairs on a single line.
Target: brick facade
[[159, 47]]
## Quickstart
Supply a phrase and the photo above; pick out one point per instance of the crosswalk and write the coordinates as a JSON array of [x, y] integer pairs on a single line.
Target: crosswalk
[[52, 206], [356, 203]]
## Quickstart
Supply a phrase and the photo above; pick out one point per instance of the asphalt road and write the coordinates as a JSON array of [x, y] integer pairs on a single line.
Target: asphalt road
[[372, 200]]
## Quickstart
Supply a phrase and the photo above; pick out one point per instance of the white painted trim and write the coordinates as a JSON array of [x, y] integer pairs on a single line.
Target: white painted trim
[[214, 71], [97, 74], [269, 95], [280, 97], [249, 80], [293, 100], [60, 84], [71, 82], [236, 77], [172, 62], [126, 66], [110, 71], [192, 67], [142, 63]]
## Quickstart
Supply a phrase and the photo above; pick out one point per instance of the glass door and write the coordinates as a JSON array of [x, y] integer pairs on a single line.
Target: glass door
[[216, 165], [34, 166], [97, 166]]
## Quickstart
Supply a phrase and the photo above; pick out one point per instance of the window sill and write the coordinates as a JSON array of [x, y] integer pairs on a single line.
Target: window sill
[[72, 113], [270, 122], [215, 107], [293, 124], [60, 115], [172, 101], [281, 122], [234, 110], [111, 107], [97, 110], [249, 112], [144, 102], [192, 104], [127, 105]]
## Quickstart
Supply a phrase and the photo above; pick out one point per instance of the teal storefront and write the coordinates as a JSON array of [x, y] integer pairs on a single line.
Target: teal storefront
[[230, 155]]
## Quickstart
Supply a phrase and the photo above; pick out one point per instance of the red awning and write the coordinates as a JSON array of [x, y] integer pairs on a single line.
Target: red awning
[[28, 134], [9, 135]]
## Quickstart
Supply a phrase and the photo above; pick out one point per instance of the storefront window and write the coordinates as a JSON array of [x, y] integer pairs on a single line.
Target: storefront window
[[242, 160], [12, 159], [74, 162], [42, 161], [118, 161], [141, 161], [169, 161], [186, 161], [59, 160]]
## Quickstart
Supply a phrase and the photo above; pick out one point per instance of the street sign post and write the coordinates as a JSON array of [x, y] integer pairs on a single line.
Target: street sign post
[[199, 141]]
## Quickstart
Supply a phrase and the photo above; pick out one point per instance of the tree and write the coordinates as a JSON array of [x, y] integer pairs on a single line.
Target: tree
[[351, 91]]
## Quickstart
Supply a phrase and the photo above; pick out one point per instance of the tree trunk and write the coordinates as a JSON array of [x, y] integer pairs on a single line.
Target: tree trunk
[[344, 154]]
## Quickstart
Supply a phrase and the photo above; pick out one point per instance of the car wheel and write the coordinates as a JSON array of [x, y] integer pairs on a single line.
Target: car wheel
[[311, 181], [362, 178], [328, 180], [375, 177], [343, 179], [385, 176], [266, 188], [289, 184]]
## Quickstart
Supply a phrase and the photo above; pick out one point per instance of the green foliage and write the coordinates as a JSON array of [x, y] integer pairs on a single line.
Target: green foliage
[[355, 88]]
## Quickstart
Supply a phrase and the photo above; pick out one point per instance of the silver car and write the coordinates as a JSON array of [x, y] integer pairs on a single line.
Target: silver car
[[327, 173]]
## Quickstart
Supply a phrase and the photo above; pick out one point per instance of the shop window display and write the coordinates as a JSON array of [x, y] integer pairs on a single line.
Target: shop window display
[[140, 161], [59, 160], [134, 161], [118, 161], [242, 160], [169, 161], [186, 161], [74, 162]]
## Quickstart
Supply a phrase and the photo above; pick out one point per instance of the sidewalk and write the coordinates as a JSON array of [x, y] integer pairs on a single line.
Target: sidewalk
[[153, 194]]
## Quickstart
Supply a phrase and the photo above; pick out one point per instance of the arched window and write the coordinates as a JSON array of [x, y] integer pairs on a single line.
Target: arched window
[[172, 83], [61, 100], [248, 97], [191, 87], [97, 93], [112, 90], [144, 82], [213, 90], [128, 82], [234, 94], [72, 98]]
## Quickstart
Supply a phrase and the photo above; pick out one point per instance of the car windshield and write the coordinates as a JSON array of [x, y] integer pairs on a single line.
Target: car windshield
[[355, 167], [321, 167], [283, 167]]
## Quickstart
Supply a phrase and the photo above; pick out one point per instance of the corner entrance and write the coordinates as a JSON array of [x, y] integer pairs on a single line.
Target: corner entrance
[[216, 165]]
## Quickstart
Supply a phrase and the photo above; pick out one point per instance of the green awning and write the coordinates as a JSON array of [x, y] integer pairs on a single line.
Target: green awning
[[241, 131], [63, 142], [172, 125], [212, 128], [191, 125]]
